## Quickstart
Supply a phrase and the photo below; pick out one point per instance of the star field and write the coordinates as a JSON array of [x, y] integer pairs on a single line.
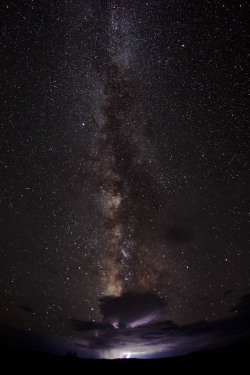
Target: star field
[[123, 159]]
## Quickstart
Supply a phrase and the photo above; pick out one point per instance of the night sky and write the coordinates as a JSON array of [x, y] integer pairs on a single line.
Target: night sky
[[124, 196]]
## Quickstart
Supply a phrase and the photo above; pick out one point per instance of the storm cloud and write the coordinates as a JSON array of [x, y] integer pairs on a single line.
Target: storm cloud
[[130, 309]]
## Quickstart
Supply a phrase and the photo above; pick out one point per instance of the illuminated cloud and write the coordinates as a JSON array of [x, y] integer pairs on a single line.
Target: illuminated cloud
[[131, 309]]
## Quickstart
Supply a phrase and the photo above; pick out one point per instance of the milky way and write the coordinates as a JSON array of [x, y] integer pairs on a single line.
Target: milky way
[[127, 198], [123, 160]]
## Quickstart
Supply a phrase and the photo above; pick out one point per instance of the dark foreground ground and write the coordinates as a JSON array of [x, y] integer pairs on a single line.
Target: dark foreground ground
[[234, 357]]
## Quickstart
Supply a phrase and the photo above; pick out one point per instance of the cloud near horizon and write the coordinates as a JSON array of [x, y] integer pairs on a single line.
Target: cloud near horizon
[[153, 340], [131, 309]]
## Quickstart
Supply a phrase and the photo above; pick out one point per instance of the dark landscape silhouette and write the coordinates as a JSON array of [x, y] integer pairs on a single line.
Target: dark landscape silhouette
[[233, 356]]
